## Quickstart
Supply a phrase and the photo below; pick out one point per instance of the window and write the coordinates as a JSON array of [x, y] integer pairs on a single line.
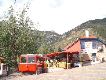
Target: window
[[82, 45], [93, 57], [94, 54], [94, 44], [31, 59], [23, 59]]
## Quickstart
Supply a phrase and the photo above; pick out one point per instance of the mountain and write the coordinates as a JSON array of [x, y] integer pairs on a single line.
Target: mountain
[[95, 27], [52, 41], [48, 39], [51, 37]]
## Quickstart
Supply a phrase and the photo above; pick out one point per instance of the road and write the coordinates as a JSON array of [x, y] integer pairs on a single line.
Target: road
[[92, 72]]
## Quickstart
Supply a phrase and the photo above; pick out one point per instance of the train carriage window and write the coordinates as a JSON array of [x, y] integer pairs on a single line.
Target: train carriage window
[[4, 67], [31, 59], [23, 59]]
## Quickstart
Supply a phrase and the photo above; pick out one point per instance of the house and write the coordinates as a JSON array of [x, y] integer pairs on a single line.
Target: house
[[90, 49], [84, 51]]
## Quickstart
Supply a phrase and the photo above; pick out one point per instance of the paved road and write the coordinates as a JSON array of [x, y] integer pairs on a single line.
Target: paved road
[[93, 72]]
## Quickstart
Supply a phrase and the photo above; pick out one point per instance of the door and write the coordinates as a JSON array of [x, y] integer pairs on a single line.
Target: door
[[94, 57]]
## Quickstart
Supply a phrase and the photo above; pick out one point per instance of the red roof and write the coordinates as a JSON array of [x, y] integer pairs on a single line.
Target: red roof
[[53, 54], [91, 36], [75, 47]]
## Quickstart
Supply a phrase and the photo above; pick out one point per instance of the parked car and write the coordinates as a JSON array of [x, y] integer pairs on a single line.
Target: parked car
[[77, 64]]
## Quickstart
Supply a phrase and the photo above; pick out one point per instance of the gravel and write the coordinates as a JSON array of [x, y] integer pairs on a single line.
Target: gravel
[[92, 72]]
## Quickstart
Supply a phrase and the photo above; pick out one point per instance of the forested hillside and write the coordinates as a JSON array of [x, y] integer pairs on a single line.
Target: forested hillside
[[95, 27]]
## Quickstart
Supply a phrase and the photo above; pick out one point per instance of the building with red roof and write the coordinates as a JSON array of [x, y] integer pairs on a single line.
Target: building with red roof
[[87, 49]]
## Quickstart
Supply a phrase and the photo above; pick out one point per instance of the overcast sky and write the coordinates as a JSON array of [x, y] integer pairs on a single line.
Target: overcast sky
[[60, 15]]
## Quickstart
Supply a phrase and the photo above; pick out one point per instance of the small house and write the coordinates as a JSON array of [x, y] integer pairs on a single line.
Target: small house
[[90, 49]]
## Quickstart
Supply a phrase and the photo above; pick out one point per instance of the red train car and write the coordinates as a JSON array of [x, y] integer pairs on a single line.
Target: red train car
[[31, 63]]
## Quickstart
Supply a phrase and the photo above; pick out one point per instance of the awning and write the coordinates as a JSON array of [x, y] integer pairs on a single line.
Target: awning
[[53, 54]]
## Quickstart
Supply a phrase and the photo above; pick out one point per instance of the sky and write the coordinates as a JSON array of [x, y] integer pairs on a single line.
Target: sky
[[60, 15]]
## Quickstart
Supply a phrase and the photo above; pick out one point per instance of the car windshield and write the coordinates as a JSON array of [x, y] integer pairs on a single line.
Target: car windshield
[[31, 59]]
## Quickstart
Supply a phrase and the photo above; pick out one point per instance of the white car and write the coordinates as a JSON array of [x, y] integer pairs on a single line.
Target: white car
[[77, 64]]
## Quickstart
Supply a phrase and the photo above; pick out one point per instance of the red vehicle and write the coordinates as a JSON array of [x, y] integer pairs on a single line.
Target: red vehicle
[[31, 63]]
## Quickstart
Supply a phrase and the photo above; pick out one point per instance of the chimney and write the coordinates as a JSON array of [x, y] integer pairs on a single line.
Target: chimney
[[86, 33]]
